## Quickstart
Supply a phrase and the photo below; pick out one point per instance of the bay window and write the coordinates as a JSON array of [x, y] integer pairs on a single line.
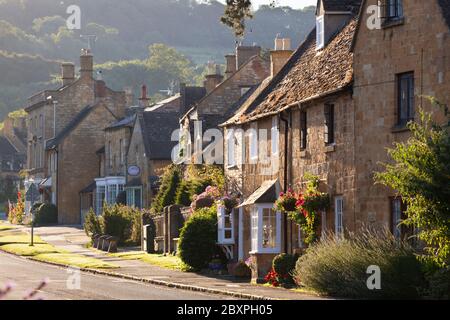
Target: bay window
[[265, 229], [225, 226]]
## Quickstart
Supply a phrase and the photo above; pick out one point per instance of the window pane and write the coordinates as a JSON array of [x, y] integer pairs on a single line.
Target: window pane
[[228, 234], [269, 228]]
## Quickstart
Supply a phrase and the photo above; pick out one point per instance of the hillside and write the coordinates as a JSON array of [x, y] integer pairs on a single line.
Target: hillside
[[34, 38]]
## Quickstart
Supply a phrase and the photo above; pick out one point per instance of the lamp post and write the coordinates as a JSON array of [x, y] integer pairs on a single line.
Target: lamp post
[[31, 195]]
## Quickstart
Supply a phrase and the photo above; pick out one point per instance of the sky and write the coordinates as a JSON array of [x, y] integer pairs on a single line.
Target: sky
[[296, 4]]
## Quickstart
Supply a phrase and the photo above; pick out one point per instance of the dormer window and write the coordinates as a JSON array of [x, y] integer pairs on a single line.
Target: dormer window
[[391, 10], [320, 32]]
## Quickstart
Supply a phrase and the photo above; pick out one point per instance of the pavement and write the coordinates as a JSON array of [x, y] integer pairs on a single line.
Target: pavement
[[73, 239]]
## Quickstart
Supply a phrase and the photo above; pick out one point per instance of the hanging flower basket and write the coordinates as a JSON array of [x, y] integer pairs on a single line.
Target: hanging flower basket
[[287, 202]]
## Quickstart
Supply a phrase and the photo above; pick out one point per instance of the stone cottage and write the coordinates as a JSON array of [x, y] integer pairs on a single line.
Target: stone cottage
[[343, 97], [66, 131], [244, 71]]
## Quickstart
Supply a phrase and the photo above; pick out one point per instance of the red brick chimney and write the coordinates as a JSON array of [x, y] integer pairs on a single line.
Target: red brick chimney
[[144, 101]]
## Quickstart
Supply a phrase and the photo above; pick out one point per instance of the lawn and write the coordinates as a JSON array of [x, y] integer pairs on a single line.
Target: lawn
[[24, 249], [5, 227], [168, 262], [18, 243], [7, 238]]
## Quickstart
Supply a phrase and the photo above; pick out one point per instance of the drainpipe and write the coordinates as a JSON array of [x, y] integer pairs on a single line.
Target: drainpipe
[[287, 125]]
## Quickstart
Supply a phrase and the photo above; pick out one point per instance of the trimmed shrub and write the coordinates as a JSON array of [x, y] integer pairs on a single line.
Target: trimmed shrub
[[339, 267], [46, 214], [167, 191], [92, 224], [117, 221], [284, 265], [198, 237], [241, 270], [183, 195]]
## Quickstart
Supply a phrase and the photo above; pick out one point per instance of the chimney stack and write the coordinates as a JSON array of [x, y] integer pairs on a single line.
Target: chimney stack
[[129, 96], [86, 63], [67, 73], [213, 80], [144, 101], [231, 65], [244, 53], [280, 55]]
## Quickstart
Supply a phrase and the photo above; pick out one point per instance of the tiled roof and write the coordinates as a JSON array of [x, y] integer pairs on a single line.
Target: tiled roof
[[445, 7], [157, 128], [163, 103], [6, 148], [308, 74], [125, 122], [340, 5]]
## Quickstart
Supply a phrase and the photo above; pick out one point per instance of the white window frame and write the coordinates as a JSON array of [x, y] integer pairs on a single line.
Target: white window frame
[[397, 217], [275, 136], [339, 216], [222, 214], [253, 143], [231, 159], [131, 196], [257, 230], [320, 32]]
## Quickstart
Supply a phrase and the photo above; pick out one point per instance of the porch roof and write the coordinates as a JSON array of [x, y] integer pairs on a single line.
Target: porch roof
[[267, 193]]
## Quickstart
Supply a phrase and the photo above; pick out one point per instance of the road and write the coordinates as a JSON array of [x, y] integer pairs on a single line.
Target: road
[[28, 274]]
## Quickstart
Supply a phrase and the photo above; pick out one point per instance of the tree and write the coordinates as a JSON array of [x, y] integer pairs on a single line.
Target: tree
[[420, 172], [235, 14]]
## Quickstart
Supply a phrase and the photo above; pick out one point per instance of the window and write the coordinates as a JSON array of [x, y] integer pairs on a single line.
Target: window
[[134, 197], [275, 137], [303, 130], [253, 141], [225, 225], [41, 125], [338, 216], [265, 229], [122, 153], [329, 123], [405, 83], [231, 161], [99, 199], [244, 90], [320, 33], [110, 154], [398, 214], [391, 9]]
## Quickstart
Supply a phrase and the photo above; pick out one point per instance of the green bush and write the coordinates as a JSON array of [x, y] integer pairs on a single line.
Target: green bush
[[46, 214], [284, 265], [339, 267], [241, 270], [167, 191], [118, 221], [198, 238], [438, 284], [92, 224], [183, 195]]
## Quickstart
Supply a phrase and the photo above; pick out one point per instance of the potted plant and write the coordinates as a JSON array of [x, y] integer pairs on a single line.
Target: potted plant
[[286, 201]]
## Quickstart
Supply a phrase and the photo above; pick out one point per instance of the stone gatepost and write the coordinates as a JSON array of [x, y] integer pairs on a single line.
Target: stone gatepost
[[261, 265]]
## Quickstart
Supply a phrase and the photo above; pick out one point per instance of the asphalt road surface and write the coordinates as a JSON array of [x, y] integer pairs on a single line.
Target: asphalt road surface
[[28, 274]]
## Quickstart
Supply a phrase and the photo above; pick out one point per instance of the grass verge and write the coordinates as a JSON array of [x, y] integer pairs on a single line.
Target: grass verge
[[74, 260], [18, 244], [168, 262]]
